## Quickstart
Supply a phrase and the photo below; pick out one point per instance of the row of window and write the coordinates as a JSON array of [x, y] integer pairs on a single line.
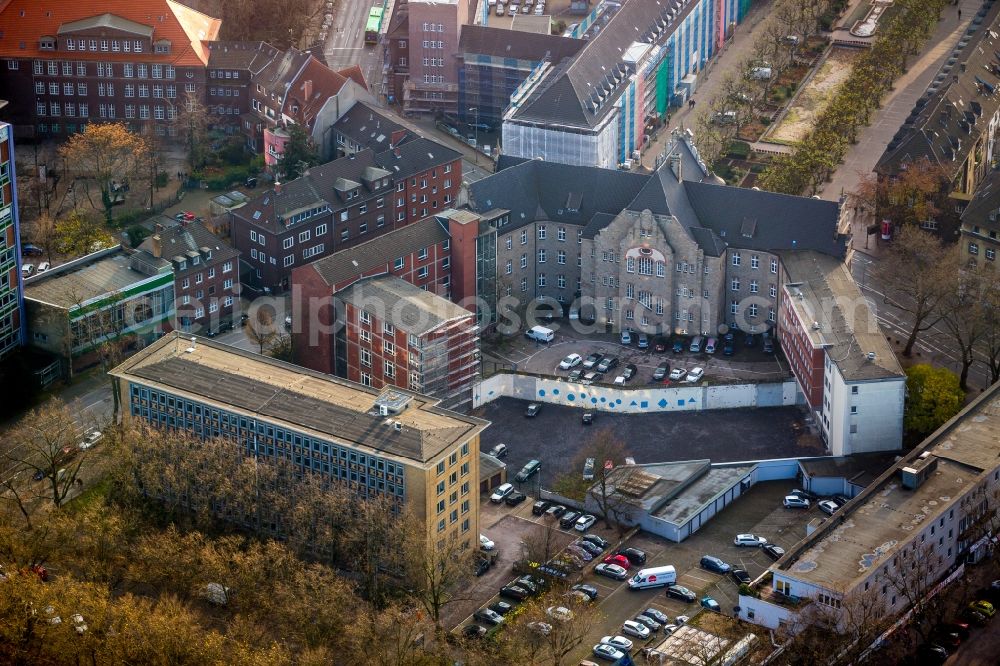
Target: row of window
[[737, 260], [991, 253], [104, 69]]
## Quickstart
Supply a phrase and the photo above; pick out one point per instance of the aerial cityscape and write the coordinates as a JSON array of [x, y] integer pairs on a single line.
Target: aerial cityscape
[[535, 332]]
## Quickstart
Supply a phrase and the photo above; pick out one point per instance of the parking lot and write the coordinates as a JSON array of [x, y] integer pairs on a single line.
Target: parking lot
[[750, 363], [556, 436], [759, 512]]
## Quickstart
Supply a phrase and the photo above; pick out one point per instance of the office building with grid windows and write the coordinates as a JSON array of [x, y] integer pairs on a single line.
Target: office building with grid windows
[[392, 443], [11, 294]]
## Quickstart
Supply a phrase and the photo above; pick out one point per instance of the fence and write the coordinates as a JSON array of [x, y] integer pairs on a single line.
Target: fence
[[639, 400]]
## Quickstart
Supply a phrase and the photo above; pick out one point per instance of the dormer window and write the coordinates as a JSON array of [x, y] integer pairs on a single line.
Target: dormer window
[[161, 46], [181, 265], [47, 43]]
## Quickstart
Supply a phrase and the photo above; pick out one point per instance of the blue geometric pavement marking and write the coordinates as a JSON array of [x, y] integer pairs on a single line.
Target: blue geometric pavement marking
[[570, 397], [555, 391], [644, 404], [680, 403], [662, 403], [541, 391]]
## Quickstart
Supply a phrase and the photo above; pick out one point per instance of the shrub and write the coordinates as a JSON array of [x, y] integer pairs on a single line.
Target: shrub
[[136, 234]]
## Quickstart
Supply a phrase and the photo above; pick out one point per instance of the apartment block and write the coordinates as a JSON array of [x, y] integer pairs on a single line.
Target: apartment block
[[392, 443], [12, 322], [980, 228], [917, 525]]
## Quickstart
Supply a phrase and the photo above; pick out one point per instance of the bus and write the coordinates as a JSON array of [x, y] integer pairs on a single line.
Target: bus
[[374, 25]]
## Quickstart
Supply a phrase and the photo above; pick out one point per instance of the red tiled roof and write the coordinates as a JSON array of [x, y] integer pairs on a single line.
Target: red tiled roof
[[314, 85], [354, 73], [24, 21]]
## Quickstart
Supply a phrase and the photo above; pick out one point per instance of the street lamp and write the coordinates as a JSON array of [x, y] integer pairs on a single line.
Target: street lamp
[[476, 147]]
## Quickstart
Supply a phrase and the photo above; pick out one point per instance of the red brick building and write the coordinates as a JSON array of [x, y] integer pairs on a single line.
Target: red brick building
[[339, 205], [805, 355], [400, 335]]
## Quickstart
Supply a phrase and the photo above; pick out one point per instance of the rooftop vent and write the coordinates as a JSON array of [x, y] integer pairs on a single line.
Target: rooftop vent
[[392, 402], [817, 326], [913, 476]]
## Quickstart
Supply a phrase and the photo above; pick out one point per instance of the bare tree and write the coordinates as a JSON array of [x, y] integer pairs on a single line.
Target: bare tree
[[611, 475], [965, 320], [551, 640], [261, 328], [990, 310], [436, 575], [913, 578]]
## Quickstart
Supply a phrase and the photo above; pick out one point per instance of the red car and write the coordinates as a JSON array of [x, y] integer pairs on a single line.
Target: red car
[[186, 216], [620, 560]]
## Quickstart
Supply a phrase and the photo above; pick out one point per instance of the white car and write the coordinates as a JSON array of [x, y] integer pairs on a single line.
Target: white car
[[485, 543], [617, 642], [607, 652], [633, 628], [27, 270], [678, 373], [829, 507], [90, 439], [501, 492], [749, 540], [795, 502], [681, 619], [570, 361], [695, 375], [670, 628], [541, 627], [560, 613], [584, 523], [619, 380], [44, 266]]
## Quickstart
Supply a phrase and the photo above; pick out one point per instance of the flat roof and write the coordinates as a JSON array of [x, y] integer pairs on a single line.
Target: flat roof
[[688, 503], [885, 516], [488, 465], [87, 278], [821, 291], [417, 311], [282, 393], [649, 486], [860, 469]]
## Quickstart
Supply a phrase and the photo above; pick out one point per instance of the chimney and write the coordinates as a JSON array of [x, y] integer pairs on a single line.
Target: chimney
[[277, 187], [397, 152], [157, 228], [157, 246], [307, 89]]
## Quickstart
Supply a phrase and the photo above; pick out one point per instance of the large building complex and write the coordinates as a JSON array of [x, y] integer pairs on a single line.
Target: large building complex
[[592, 109], [12, 322], [927, 515], [392, 443]]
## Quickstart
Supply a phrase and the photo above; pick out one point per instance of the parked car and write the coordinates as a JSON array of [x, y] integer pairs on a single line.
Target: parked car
[[626, 337], [607, 652], [633, 628], [680, 592], [598, 541], [488, 616], [929, 653], [593, 376], [474, 631], [712, 563], [530, 469], [617, 642], [634, 555], [643, 341], [568, 519], [728, 348], [588, 468], [540, 507], [560, 613], [740, 576], [768, 345], [591, 548], [841, 500], [805, 494], [542, 628], [974, 617], [749, 540], [589, 590], [795, 502], [575, 375], [29, 250], [607, 363], [90, 439], [711, 604], [43, 266], [648, 622], [499, 451], [678, 374], [828, 507], [27, 270], [515, 498], [773, 551], [678, 345], [611, 571], [959, 628], [482, 566], [945, 639], [592, 360], [514, 592], [661, 372], [629, 372], [588, 419], [555, 511], [984, 607], [501, 492], [570, 362], [657, 615], [486, 543], [694, 375], [533, 409], [501, 607], [619, 559], [584, 522]]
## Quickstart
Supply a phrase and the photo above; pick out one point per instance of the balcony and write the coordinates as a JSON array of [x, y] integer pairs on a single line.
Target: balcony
[[764, 590]]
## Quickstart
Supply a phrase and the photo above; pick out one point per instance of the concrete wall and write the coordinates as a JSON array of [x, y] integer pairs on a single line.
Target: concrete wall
[[634, 401]]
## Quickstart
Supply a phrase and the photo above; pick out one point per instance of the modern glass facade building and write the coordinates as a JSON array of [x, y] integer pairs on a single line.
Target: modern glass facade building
[[11, 293]]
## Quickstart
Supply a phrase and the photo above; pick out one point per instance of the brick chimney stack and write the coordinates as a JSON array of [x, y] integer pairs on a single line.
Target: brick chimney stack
[[157, 246], [277, 187]]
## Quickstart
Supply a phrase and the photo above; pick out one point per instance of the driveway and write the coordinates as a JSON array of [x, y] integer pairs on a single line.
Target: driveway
[[557, 435]]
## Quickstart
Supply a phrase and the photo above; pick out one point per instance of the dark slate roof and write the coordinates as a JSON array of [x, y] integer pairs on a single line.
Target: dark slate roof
[[415, 156], [985, 202], [339, 266], [368, 127], [252, 56], [958, 105], [598, 222], [503, 43], [177, 238], [565, 94], [538, 190], [279, 74]]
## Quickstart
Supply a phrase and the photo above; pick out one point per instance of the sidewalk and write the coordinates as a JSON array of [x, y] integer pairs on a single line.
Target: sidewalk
[[739, 46]]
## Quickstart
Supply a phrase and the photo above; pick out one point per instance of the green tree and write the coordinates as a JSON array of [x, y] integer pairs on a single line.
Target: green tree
[[299, 154], [76, 235], [933, 397]]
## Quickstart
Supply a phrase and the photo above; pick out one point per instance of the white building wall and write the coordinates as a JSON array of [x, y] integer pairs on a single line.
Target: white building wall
[[598, 148], [877, 424]]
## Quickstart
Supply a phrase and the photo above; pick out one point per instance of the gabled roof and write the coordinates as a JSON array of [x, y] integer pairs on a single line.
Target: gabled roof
[[251, 56], [314, 84], [948, 120], [339, 266], [368, 127], [985, 202], [24, 21], [504, 43], [355, 74], [177, 238], [566, 93], [278, 75], [535, 190], [415, 156]]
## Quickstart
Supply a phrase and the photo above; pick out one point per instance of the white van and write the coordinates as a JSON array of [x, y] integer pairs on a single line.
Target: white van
[[695, 346], [655, 577], [540, 334]]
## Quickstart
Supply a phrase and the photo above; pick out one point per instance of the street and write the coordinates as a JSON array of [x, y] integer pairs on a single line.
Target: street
[[346, 44]]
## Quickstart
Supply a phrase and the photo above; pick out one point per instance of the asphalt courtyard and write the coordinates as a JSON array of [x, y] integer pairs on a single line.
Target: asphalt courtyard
[[557, 435]]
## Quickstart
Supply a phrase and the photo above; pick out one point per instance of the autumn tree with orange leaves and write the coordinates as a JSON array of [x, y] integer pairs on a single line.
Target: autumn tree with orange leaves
[[103, 155]]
